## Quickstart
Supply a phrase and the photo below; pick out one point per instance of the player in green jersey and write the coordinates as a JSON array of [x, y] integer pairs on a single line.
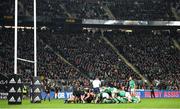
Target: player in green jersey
[[136, 99], [132, 86], [101, 96], [111, 91]]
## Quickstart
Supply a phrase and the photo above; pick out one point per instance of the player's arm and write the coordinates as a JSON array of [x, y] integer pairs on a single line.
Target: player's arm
[[88, 95]]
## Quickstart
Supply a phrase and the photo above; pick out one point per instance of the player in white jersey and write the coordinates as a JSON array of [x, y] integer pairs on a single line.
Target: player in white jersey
[[96, 85]]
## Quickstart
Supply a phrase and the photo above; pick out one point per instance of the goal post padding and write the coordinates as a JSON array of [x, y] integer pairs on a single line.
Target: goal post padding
[[15, 89]]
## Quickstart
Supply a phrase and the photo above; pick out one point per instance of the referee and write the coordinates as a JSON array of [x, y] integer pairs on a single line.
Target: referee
[[96, 85]]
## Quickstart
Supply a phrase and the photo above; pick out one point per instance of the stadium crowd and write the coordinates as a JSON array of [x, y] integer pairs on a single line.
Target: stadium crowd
[[75, 58], [176, 5], [96, 9]]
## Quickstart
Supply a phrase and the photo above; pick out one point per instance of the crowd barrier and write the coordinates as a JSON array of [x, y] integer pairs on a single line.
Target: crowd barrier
[[142, 94]]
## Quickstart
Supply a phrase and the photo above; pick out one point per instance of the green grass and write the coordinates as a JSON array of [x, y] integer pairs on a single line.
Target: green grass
[[146, 103]]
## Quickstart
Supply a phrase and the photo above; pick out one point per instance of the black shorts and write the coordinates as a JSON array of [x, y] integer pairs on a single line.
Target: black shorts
[[77, 94], [89, 99], [96, 90], [47, 92]]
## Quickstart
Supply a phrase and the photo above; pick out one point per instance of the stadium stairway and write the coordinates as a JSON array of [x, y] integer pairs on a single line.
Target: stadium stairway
[[175, 14], [63, 59], [125, 60], [65, 11], [22, 7], [109, 13], [176, 44]]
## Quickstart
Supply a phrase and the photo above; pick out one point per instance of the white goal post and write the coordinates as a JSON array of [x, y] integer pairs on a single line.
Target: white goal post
[[16, 40]]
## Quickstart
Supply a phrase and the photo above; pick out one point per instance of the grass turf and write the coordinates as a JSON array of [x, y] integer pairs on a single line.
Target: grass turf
[[145, 103]]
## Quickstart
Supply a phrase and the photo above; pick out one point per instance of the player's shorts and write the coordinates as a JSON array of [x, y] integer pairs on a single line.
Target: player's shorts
[[133, 90], [96, 90], [47, 92], [105, 95], [127, 95], [77, 94], [88, 100]]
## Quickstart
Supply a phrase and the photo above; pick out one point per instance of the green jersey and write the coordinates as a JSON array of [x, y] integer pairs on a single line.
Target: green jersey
[[109, 90], [132, 84], [100, 95], [121, 93], [122, 100], [135, 99]]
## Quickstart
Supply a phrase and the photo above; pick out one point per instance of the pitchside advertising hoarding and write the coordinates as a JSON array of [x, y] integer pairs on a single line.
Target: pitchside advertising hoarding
[[3, 86], [35, 90], [60, 95], [15, 90], [142, 94], [159, 94]]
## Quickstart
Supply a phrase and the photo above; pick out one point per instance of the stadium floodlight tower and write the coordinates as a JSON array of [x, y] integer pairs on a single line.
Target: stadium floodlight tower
[[16, 41]]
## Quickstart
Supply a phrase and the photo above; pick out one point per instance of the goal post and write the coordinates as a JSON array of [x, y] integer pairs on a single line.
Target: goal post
[[35, 41], [16, 98], [16, 40], [15, 37]]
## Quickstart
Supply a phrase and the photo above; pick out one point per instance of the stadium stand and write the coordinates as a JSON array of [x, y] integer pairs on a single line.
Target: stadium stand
[[142, 9], [7, 7], [72, 59], [152, 52], [76, 57], [101, 9]]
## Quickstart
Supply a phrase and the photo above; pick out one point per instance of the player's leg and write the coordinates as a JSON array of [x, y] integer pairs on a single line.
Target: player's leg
[[70, 100], [115, 100], [56, 95], [96, 91], [45, 97], [76, 99], [133, 92], [120, 99], [98, 98], [154, 95], [49, 97], [107, 101], [128, 96], [82, 98]]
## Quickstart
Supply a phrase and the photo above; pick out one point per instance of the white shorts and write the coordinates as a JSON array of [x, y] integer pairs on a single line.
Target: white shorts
[[133, 90], [127, 95], [105, 95]]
